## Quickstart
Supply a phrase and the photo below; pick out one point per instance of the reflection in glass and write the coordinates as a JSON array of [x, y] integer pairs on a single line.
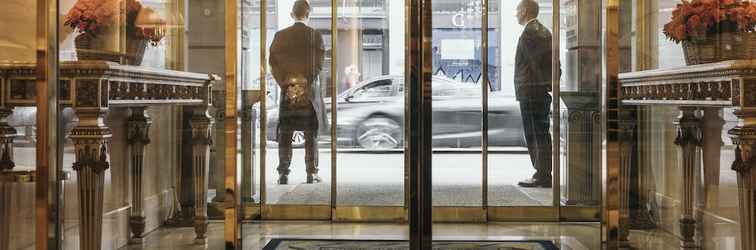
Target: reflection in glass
[[519, 159], [580, 142], [370, 103], [17, 216], [457, 105], [299, 169]]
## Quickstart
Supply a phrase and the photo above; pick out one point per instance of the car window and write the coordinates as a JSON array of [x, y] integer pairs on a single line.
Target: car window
[[443, 87], [381, 88]]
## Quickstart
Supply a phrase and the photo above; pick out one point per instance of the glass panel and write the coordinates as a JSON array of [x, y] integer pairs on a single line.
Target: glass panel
[[150, 150], [656, 176], [457, 103], [580, 130], [370, 108], [17, 214], [249, 86], [293, 120], [519, 117]]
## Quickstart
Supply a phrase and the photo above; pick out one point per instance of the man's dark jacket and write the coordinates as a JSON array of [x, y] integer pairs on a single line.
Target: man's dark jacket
[[532, 76], [299, 50]]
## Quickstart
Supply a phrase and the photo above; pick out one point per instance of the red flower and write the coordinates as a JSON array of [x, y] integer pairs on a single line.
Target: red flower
[[697, 19]]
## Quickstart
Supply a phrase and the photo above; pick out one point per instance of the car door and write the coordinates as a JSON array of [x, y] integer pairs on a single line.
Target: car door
[[363, 95], [456, 114], [377, 91]]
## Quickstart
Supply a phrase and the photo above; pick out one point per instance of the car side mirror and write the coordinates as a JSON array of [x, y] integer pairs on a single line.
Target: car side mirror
[[348, 98]]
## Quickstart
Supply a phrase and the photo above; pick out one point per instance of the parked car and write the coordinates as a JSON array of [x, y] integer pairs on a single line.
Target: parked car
[[371, 115]]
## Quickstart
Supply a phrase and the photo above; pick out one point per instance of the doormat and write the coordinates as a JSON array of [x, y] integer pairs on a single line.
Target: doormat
[[305, 244], [390, 194]]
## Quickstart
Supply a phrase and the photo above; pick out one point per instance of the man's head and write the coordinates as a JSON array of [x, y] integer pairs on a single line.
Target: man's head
[[301, 10], [526, 10]]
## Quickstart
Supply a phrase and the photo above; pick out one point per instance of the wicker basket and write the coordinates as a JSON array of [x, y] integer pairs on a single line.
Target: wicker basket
[[720, 47], [89, 48]]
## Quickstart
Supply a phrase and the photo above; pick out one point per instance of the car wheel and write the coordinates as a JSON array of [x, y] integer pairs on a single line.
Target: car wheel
[[377, 133], [297, 139]]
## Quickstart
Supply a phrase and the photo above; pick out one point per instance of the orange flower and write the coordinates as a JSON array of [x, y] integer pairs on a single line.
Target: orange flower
[[697, 19]]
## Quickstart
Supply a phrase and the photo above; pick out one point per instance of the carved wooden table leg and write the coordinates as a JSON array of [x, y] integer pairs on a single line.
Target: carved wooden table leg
[[744, 137], [627, 143], [689, 140], [138, 137], [201, 124], [711, 149], [91, 140], [6, 140]]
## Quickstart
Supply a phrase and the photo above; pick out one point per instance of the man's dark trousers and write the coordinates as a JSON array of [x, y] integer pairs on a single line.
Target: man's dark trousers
[[535, 118], [307, 122]]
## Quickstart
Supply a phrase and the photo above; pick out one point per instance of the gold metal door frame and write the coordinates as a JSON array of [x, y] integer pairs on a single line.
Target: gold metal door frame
[[483, 213], [232, 227], [331, 211], [48, 199]]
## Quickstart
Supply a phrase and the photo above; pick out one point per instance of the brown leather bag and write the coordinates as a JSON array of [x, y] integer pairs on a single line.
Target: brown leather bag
[[297, 91]]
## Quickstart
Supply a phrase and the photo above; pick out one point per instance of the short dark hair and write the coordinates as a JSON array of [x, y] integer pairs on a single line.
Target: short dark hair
[[531, 7], [301, 9]]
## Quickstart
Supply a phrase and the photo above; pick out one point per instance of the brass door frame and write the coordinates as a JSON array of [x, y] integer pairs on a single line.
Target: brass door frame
[[332, 211], [232, 227], [48, 199]]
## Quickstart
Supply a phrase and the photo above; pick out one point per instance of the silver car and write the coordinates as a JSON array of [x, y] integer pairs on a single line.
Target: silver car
[[371, 116]]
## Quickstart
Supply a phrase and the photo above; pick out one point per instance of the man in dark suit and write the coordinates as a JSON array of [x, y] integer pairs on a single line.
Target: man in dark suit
[[296, 59], [532, 79]]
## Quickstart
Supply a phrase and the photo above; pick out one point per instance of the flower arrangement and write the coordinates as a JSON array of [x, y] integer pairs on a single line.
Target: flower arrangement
[[695, 20], [91, 17], [136, 17]]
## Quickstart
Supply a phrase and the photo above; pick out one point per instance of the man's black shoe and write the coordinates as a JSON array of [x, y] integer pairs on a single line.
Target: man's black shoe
[[283, 180], [530, 183], [313, 178]]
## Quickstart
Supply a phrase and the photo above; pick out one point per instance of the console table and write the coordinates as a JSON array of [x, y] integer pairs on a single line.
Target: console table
[[91, 88], [705, 87]]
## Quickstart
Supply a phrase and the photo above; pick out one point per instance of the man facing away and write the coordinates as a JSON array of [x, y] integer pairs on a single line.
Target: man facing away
[[296, 59], [532, 79]]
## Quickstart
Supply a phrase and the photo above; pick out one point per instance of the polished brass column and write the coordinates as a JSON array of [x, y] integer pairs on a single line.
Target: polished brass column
[[48, 194], [689, 140], [232, 228], [91, 140], [744, 137], [138, 128], [7, 133], [201, 124], [419, 66], [610, 223]]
